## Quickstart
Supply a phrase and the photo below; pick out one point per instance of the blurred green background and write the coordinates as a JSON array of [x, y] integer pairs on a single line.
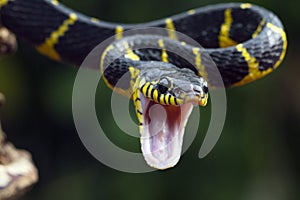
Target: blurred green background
[[257, 156]]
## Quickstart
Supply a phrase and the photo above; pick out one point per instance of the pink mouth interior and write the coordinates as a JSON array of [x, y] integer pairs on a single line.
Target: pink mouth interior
[[162, 132]]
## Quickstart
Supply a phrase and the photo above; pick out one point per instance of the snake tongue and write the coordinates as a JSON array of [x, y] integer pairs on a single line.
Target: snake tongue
[[162, 132]]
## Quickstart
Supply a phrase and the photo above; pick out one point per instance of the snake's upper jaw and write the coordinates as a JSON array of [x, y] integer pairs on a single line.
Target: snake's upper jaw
[[162, 132]]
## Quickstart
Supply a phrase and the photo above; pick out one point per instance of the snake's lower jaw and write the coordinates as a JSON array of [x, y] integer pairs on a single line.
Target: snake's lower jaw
[[162, 133]]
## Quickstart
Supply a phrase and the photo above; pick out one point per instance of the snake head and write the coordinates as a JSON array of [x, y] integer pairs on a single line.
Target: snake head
[[164, 101], [169, 85]]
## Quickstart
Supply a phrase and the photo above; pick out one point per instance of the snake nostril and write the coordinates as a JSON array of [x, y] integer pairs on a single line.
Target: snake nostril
[[205, 89]]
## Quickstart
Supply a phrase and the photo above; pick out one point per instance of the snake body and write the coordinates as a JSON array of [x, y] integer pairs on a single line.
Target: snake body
[[245, 41]]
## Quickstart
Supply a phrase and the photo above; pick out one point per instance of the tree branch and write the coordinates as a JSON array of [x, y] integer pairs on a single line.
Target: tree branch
[[8, 43], [17, 171]]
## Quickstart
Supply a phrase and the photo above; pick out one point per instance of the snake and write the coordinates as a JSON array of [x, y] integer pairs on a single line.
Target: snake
[[245, 42]]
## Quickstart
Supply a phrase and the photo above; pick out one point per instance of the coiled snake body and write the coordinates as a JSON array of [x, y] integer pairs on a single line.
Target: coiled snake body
[[246, 42]]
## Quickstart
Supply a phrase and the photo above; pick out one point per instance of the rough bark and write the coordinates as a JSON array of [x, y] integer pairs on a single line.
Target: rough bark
[[8, 44], [17, 171]]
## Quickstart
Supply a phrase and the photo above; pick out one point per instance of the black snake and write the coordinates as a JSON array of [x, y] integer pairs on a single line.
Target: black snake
[[246, 42]]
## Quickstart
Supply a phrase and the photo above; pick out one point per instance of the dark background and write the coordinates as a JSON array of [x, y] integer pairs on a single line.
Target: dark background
[[257, 156]]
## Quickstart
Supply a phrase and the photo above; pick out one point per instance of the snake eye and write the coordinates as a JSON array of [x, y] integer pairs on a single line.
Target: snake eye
[[162, 89], [163, 85]]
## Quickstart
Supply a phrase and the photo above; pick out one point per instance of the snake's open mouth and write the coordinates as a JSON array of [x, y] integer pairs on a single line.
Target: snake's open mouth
[[162, 132]]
